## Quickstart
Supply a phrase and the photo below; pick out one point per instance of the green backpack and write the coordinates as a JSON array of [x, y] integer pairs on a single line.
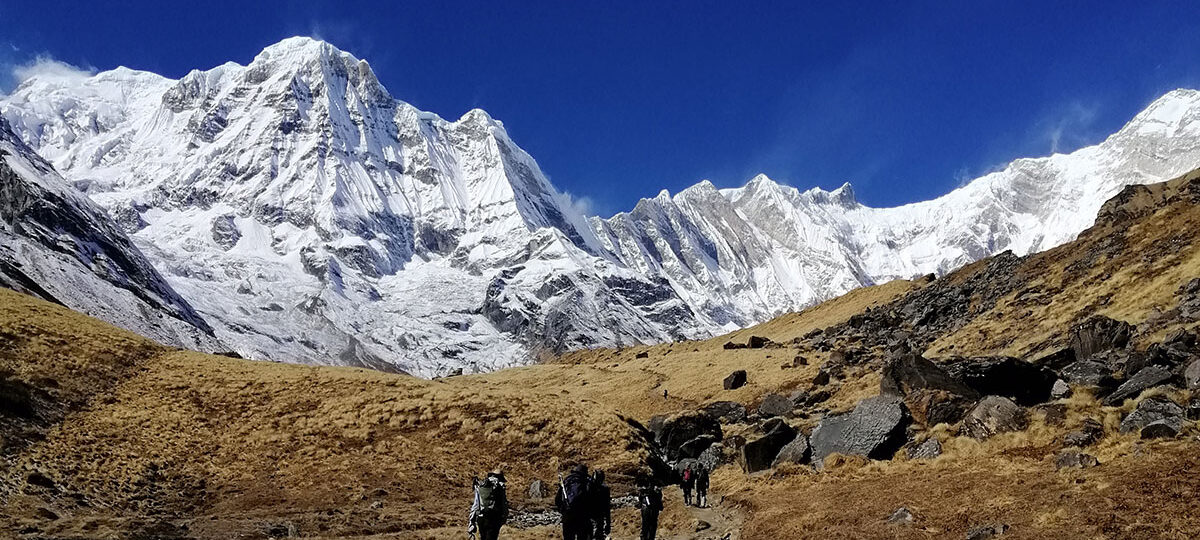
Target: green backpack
[[491, 497]]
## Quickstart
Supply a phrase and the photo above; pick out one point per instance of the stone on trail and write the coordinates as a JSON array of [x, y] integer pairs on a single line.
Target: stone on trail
[[874, 429], [993, 415]]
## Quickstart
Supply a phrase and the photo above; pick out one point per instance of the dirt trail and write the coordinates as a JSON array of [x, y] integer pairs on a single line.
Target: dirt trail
[[724, 523]]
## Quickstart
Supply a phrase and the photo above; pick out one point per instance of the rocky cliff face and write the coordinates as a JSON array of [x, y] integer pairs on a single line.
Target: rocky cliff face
[[310, 216], [57, 245]]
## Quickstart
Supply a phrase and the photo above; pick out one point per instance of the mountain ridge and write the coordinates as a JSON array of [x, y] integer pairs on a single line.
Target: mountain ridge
[[312, 217]]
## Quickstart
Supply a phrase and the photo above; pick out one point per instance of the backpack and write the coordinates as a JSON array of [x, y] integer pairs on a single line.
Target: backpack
[[491, 497], [687, 475], [575, 494]]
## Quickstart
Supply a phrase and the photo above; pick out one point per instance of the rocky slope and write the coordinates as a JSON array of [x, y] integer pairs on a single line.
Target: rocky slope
[[1050, 395], [311, 217], [56, 244]]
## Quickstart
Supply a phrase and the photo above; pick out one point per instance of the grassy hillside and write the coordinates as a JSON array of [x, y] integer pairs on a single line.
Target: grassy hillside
[[105, 434]]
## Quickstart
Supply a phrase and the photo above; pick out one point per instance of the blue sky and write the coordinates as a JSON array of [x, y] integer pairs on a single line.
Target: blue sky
[[619, 100]]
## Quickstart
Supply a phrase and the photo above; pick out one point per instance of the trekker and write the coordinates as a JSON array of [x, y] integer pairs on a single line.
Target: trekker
[[601, 502], [489, 510], [702, 487], [572, 502], [689, 482], [650, 503]]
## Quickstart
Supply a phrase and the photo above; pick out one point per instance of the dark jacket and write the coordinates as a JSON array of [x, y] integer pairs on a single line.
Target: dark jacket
[[576, 482], [702, 480], [650, 500], [602, 506]]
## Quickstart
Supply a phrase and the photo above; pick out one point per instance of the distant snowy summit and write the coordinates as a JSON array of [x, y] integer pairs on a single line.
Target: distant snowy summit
[[309, 216]]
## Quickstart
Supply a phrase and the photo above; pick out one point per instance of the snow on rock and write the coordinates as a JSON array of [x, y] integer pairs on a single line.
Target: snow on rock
[[311, 217]]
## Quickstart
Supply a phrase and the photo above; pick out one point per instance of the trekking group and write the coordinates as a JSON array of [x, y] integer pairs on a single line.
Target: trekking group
[[585, 502]]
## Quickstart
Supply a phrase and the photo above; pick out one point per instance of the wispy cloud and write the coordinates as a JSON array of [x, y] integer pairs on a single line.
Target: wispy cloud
[[1067, 128], [46, 67], [584, 206]]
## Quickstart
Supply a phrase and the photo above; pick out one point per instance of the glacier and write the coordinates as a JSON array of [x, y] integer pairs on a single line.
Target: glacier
[[309, 216]]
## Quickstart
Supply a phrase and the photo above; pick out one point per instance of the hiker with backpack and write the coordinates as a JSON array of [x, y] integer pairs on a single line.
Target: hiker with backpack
[[702, 487], [650, 503], [601, 502], [689, 482], [489, 510], [573, 502]]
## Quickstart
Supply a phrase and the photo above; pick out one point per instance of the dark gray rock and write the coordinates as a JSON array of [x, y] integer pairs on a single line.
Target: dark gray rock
[[1162, 429], [1054, 414], [908, 373], [682, 429], [1180, 337], [537, 490], [821, 378], [713, 457], [874, 429], [693, 448], [1191, 375], [1023, 382], [1193, 408], [902, 516], [735, 380], [1155, 409], [798, 451], [1074, 459], [729, 345], [758, 342], [993, 415], [1089, 373], [1099, 333], [1148, 377], [225, 232], [775, 405], [987, 532], [932, 407], [1087, 434], [759, 454], [726, 412], [928, 449]]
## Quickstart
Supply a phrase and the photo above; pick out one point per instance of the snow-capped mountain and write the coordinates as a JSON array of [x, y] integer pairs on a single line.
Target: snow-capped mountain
[[57, 245], [310, 216]]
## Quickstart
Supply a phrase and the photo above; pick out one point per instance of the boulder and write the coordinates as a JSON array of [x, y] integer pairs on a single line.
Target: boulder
[[902, 516], [1089, 373], [1053, 414], [1162, 429], [1074, 459], [735, 380], [932, 407], [758, 342], [759, 454], [1060, 390], [798, 451], [993, 415], [1099, 333], [643, 354], [908, 373], [1057, 360], [1087, 434], [821, 378], [775, 405], [1023, 382], [874, 429], [1191, 375], [693, 448], [1154, 410], [1180, 338], [1193, 409], [726, 412], [928, 449], [713, 457], [729, 345], [1148, 377], [684, 428]]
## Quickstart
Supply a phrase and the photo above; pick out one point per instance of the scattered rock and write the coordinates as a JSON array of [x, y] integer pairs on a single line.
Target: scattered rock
[[758, 342], [908, 373], [993, 415], [45, 513], [727, 412], [735, 380], [682, 429], [1148, 377], [1089, 373], [38, 479], [1023, 382], [799, 361], [702, 525], [1060, 390], [1154, 410], [874, 429], [729, 345], [775, 405], [798, 451], [932, 407], [1099, 333], [1191, 375], [759, 454], [713, 457], [1053, 414], [902, 516], [693, 448], [1074, 459], [537, 490], [1193, 409], [643, 354], [1087, 435], [987, 532], [928, 449], [821, 379], [1180, 337]]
